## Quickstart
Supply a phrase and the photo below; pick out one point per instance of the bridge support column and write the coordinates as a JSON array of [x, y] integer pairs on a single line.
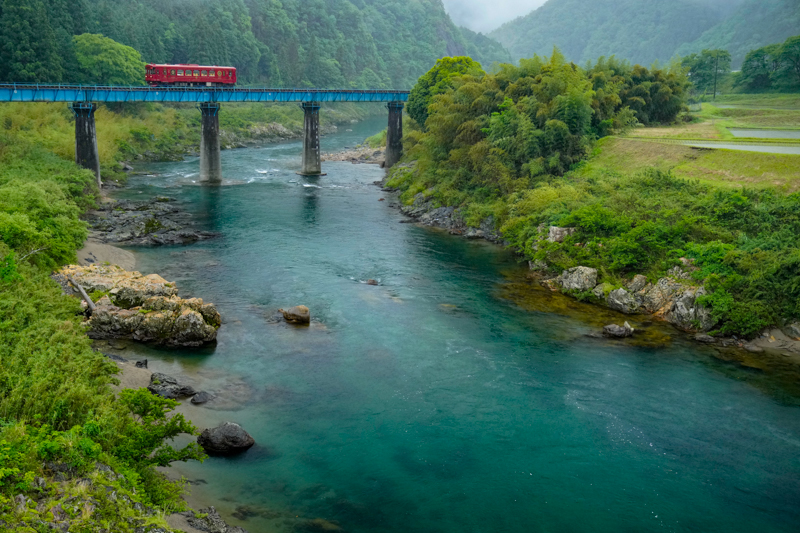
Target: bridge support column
[[394, 135], [312, 164], [210, 164], [86, 154]]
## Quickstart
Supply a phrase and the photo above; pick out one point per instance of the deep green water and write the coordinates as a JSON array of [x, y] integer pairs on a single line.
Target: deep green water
[[443, 400]]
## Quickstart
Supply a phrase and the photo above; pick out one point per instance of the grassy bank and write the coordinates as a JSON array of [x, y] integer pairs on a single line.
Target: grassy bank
[[57, 412], [640, 206]]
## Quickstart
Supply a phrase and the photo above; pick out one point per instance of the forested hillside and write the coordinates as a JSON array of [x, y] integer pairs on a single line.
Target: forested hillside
[[756, 23], [641, 31], [322, 43]]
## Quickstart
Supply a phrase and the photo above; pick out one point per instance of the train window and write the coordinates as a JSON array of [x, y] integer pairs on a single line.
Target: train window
[[196, 72], [211, 73], [204, 73], [180, 72]]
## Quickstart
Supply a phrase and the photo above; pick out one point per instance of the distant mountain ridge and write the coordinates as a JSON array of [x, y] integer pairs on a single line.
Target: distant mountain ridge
[[644, 31]]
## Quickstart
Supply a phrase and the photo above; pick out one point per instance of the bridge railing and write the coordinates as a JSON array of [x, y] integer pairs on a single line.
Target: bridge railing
[[39, 92]]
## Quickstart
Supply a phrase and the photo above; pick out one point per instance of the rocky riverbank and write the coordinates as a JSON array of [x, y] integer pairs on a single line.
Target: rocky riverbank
[[673, 298], [359, 154], [130, 305], [157, 221]]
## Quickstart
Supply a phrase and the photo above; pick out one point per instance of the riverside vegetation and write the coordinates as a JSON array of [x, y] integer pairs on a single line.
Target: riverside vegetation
[[509, 150]]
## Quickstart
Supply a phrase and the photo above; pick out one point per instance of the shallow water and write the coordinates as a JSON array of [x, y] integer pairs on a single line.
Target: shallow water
[[765, 134], [456, 396], [761, 148]]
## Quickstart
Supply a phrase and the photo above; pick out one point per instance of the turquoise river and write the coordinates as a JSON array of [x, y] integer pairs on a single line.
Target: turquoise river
[[456, 396]]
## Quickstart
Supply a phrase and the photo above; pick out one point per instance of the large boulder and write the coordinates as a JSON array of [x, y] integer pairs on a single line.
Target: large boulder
[[169, 387], [793, 330], [660, 295], [639, 282], [226, 439], [143, 308], [687, 314], [579, 279], [622, 301], [299, 314]]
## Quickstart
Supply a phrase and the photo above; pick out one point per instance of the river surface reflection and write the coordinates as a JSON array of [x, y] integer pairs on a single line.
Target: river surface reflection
[[453, 397]]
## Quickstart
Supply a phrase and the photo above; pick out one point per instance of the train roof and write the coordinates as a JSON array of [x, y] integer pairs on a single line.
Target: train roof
[[185, 65]]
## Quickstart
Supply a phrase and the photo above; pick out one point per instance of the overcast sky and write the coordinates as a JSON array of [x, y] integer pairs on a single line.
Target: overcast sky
[[486, 15]]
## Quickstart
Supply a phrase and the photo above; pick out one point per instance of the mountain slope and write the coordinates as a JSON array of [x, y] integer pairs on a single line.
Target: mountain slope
[[296, 43], [754, 24], [641, 31]]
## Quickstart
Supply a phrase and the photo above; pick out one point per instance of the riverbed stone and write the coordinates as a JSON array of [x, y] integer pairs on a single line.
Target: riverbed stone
[[299, 314], [169, 387], [687, 314], [617, 331], [226, 439], [705, 339], [793, 330], [622, 301], [579, 279], [202, 397]]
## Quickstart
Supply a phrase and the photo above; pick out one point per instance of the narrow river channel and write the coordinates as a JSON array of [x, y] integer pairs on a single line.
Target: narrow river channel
[[455, 396]]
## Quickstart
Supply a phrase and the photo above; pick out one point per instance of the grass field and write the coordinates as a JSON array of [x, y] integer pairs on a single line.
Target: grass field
[[726, 168], [765, 100]]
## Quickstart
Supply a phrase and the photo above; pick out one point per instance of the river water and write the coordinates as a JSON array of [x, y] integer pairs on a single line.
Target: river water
[[456, 396]]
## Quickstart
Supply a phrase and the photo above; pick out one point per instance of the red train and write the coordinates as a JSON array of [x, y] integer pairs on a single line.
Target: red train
[[189, 75]]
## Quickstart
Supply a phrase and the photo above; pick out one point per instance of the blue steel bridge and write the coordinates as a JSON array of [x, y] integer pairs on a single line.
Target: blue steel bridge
[[83, 101], [23, 92]]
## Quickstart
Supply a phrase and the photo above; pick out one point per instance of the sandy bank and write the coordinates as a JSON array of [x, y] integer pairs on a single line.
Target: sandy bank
[[94, 253]]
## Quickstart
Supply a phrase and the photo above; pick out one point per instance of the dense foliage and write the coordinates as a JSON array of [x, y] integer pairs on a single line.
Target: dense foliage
[[641, 31], [323, 43], [490, 136], [776, 66], [708, 70], [437, 81], [104, 61], [55, 400], [754, 24]]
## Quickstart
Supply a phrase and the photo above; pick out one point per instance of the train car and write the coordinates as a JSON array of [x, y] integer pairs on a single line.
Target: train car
[[189, 76]]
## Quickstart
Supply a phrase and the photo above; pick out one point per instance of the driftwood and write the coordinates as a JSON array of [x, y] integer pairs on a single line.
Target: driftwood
[[81, 290]]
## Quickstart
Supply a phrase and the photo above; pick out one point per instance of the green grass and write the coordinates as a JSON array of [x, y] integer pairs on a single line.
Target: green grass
[[765, 100]]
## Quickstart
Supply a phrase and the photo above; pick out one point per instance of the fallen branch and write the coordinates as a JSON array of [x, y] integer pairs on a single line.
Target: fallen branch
[[81, 290], [24, 257]]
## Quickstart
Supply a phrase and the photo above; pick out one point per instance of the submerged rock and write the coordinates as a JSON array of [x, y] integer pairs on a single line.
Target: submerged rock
[[618, 332], [226, 439], [168, 387], [299, 314], [202, 397], [579, 279]]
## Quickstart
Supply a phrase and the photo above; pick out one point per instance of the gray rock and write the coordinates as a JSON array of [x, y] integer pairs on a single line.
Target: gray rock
[[201, 398], [168, 387], [705, 339], [688, 315], [537, 265], [299, 314], [639, 282], [618, 332], [226, 439], [212, 522], [793, 330], [752, 348], [141, 364], [556, 234], [579, 279], [660, 295], [601, 290], [622, 301]]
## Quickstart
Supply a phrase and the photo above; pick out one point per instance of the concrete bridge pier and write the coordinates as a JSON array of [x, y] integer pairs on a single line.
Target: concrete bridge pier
[[210, 164], [86, 154], [312, 163], [394, 134]]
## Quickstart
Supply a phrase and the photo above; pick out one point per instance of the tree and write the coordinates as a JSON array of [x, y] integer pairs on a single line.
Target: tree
[[436, 81], [708, 70], [105, 61], [790, 58], [760, 66], [28, 44]]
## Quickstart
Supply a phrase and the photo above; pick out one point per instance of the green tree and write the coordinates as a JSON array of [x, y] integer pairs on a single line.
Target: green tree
[[105, 61], [760, 67], [28, 44], [790, 59], [436, 81], [708, 69]]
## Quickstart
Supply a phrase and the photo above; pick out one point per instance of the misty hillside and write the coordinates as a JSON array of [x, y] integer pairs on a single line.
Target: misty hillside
[[296, 43], [638, 30], [754, 24]]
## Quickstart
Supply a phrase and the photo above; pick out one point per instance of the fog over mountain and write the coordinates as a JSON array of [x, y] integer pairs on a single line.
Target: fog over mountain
[[487, 15]]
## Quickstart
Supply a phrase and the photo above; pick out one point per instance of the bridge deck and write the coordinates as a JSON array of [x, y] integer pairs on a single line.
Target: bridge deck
[[20, 92]]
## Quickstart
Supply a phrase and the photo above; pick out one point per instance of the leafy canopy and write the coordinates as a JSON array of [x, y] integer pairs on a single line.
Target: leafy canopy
[[104, 61]]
